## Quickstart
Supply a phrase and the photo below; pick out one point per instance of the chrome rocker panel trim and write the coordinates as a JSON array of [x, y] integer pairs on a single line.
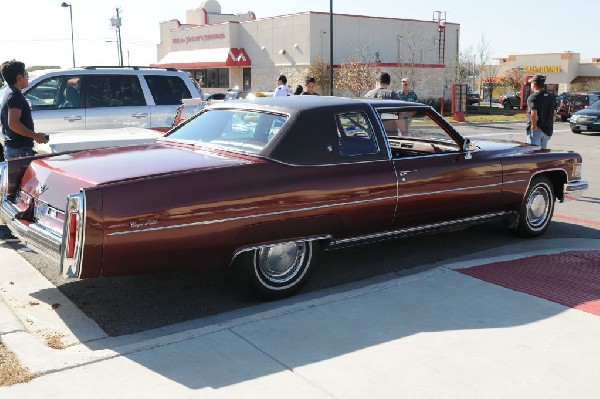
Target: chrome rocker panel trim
[[410, 231]]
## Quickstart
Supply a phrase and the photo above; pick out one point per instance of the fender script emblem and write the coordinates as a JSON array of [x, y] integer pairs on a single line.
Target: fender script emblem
[[137, 225]]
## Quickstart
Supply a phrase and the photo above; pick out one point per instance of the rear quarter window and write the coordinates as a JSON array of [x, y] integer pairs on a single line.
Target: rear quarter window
[[167, 90], [356, 135]]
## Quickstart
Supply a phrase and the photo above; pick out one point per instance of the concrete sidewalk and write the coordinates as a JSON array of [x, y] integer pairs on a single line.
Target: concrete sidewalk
[[436, 333]]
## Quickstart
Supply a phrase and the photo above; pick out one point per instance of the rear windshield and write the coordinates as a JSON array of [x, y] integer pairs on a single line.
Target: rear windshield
[[235, 130]]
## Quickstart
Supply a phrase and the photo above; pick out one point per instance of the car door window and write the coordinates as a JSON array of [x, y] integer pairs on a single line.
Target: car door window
[[416, 133], [167, 90], [55, 92], [356, 135], [114, 91]]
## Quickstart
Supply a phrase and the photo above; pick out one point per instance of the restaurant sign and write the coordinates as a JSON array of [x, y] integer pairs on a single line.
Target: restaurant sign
[[540, 68], [198, 38]]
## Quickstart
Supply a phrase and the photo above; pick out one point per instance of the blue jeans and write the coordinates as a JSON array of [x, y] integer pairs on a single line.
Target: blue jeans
[[537, 137], [18, 152]]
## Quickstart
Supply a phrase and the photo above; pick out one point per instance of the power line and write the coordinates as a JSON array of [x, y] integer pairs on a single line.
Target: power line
[[91, 40]]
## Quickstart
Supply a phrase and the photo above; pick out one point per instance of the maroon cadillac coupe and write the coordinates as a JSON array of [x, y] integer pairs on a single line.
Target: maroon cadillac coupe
[[262, 186]]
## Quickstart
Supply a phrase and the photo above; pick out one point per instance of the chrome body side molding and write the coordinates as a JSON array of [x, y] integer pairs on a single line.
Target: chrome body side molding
[[409, 231]]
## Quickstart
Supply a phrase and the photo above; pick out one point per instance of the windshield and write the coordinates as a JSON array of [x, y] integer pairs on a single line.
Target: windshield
[[595, 105], [235, 130]]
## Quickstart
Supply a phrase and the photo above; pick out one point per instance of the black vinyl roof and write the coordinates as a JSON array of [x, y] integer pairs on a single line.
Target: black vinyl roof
[[293, 104], [310, 136]]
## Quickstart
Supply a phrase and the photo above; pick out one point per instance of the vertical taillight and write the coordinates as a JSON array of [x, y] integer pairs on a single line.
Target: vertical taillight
[[73, 236]]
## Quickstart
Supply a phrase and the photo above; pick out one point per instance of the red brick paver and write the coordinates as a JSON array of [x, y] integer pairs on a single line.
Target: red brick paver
[[570, 278]]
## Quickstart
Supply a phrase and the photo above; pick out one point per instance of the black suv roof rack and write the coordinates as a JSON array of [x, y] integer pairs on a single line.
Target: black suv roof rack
[[136, 67]]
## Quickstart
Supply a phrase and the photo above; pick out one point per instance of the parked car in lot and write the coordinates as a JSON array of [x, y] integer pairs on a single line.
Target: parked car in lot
[[586, 120], [261, 186], [215, 97], [511, 100], [573, 102], [107, 97], [473, 98]]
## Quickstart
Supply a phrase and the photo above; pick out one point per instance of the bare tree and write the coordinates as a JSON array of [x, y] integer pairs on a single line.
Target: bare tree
[[513, 79], [586, 86], [320, 71], [409, 57], [464, 68], [358, 72], [487, 71]]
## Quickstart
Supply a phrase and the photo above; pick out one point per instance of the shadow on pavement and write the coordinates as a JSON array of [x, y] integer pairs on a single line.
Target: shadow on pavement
[[126, 305]]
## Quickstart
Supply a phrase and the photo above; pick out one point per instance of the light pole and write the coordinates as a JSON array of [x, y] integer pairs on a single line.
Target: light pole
[[331, 47], [72, 42]]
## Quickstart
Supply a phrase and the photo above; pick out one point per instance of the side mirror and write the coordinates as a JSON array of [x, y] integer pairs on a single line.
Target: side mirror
[[467, 147]]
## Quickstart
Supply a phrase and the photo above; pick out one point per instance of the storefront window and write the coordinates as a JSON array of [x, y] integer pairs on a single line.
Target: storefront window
[[213, 77]]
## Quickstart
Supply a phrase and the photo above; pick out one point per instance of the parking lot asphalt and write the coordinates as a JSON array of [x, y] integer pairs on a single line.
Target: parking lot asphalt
[[461, 328]]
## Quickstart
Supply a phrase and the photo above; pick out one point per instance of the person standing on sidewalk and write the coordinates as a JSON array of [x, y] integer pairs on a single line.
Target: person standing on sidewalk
[[406, 94], [15, 113], [541, 107], [310, 87], [282, 89]]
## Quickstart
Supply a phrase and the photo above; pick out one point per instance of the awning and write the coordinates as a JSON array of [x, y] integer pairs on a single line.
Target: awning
[[214, 57], [586, 79]]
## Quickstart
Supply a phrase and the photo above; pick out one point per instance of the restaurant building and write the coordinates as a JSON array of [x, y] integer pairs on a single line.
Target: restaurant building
[[562, 69], [227, 50]]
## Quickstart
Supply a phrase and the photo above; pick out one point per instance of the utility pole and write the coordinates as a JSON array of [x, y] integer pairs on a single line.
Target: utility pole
[[115, 22]]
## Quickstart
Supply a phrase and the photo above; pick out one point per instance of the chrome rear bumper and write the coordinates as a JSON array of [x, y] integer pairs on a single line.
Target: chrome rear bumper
[[574, 189], [33, 235]]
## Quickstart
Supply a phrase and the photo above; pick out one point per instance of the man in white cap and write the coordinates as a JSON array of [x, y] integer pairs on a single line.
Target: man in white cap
[[406, 94]]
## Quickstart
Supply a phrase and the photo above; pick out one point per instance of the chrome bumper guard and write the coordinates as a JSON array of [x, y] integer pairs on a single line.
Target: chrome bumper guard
[[574, 189], [33, 235]]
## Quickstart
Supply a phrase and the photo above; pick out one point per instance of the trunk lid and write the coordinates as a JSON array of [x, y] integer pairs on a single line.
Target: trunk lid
[[52, 178]]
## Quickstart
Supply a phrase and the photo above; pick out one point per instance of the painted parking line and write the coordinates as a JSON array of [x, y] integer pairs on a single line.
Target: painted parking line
[[577, 220]]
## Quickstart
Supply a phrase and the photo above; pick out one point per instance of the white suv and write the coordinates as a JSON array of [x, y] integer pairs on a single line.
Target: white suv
[[107, 97]]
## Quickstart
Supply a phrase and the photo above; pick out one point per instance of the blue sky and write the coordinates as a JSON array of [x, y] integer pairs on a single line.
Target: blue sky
[[38, 31]]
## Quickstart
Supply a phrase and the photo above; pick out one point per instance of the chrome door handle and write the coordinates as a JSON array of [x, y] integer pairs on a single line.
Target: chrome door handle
[[140, 115], [73, 118], [402, 173]]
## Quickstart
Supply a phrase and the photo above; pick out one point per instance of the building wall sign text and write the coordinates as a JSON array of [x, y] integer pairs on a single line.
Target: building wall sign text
[[540, 68], [198, 38]]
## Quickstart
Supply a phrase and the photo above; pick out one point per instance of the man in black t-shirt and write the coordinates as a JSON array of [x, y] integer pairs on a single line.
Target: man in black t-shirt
[[541, 107], [15, 113]]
